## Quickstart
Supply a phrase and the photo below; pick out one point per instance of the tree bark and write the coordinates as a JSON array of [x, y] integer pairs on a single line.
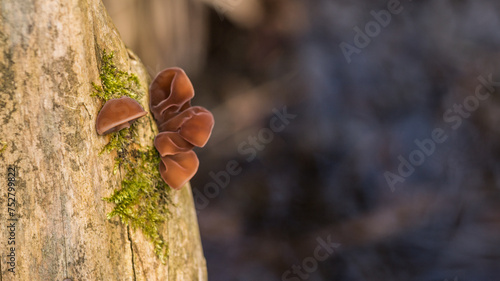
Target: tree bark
[[49, 56]]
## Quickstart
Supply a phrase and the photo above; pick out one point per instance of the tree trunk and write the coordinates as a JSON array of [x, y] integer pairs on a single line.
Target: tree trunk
[[50, 54]]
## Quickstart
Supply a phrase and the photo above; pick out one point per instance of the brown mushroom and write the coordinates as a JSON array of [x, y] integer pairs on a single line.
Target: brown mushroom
[[181, 126], [117, 114], [194, 124], [176, 170], [170, 143], [170, 92]]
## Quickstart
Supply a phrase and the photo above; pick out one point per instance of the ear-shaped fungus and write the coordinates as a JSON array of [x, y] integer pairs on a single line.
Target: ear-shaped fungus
[[178, 169], [117, 114], [170, 92], [171, 143], [194, 124], [181, 126]]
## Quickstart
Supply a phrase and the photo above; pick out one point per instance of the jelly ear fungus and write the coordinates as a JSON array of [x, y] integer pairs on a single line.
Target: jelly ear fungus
[[117, 114], [181, 126]]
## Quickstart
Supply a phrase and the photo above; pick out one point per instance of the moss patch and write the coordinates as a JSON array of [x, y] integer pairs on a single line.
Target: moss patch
[[3, 146], [142, 199], [115, 83]]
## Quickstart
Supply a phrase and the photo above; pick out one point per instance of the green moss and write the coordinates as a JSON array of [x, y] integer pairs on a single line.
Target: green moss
[[121, 139], [142, 199], [141, 202], [3, 146], [115, 83]]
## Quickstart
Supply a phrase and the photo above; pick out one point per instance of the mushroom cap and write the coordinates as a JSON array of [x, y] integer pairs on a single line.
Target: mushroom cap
[[170, 92], [176, 170], [117, 114], [194, 124], [170, 143], [181, 126]]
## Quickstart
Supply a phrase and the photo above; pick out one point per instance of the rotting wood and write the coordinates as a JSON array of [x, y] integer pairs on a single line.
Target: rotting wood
[[49, 55]]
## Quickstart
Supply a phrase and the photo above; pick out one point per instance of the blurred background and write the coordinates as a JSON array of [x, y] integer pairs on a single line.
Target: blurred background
[[360, 88]]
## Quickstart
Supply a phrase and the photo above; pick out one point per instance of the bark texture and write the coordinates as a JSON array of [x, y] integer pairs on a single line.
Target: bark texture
[[49, 55]]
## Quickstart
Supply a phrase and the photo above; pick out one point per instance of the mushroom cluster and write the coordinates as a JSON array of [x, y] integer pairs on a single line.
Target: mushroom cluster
[[181, 126]]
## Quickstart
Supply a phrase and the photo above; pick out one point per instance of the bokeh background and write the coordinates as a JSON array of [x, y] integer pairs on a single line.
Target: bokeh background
[[322, 176]]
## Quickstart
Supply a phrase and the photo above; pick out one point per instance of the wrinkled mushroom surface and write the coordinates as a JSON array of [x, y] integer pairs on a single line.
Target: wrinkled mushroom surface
[[176, 170], [170, 92], [170, 143], [181, 126], [194, 124]]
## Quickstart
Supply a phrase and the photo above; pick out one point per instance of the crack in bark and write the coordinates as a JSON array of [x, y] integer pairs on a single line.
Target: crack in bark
[[132, 251], [64, 239]]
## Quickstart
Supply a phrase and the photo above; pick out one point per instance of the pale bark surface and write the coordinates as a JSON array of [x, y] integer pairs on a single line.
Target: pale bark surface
[[49, 55]]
